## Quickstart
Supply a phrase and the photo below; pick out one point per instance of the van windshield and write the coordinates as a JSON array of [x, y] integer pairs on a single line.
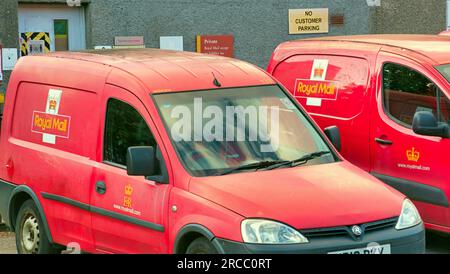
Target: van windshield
[[217, 132]]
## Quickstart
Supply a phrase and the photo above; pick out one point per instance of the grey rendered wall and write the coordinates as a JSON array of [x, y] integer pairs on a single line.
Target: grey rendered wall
[[258, 25], [410, 16]]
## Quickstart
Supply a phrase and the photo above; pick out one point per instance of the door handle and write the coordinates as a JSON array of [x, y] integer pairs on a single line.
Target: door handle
[[383, 141], [100, 187]]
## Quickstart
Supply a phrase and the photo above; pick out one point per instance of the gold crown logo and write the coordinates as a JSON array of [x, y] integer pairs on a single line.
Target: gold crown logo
[[413, 155], [318, 72], [128, 190], [52, 104]]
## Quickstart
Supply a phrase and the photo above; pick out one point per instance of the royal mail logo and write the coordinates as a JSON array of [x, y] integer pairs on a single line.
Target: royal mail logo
[[52, 124], [318, 72], [127, 200], [326, 90], [319, 69], [128, 190], [52, 105], [413, 155]]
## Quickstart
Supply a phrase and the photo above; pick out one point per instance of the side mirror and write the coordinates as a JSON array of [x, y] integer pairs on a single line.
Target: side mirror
[[334, 136], [141, 161], [424, 123]]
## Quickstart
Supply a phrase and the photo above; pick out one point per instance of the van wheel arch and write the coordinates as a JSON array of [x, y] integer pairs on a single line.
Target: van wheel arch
[[19, 195], [191, 232]]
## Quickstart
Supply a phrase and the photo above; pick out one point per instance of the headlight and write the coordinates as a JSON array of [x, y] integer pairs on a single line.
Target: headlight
[[258, 231], [409, 216]]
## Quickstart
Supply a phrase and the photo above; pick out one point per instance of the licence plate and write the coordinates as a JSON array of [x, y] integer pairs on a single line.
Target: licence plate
[[378, 249]]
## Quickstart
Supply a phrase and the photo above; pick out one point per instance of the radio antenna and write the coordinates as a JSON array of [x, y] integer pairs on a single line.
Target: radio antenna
[[216, 81]]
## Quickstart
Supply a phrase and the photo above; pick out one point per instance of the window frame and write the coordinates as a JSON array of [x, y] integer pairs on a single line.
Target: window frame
[[383, 97]]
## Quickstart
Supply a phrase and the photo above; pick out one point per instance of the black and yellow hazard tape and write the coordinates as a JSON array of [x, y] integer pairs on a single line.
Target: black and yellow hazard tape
[[34, 36]]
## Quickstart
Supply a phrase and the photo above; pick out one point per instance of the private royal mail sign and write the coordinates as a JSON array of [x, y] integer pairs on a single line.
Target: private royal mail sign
[[304, 21]]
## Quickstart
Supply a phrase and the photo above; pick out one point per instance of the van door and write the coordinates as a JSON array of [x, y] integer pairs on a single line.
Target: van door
[[128, 211], [414, 164]]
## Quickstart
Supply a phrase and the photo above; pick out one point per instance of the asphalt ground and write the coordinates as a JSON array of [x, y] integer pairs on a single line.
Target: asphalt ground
[[7, 241]]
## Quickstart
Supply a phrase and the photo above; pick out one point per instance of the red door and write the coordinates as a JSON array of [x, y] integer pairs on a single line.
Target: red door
[[129, 213], [414, 164]]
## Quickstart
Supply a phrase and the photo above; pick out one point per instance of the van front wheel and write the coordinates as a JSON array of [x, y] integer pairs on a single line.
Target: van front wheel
[[201, 246], [31, 237]]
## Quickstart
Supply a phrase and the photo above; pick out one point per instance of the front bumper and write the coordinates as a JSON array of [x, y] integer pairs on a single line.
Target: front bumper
[[406, 241]]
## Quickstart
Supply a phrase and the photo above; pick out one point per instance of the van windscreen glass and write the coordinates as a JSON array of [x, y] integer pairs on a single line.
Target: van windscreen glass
[[216, 132]]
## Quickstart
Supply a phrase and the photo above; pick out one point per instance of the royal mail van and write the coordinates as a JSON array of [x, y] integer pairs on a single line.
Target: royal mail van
[[389, 96], [147, 151]]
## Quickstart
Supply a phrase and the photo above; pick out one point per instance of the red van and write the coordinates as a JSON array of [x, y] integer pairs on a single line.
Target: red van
[[389, 96], [132, 151]]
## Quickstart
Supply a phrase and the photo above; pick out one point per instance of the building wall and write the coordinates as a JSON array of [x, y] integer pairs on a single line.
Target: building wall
[[258, 25], [8, 31], [407, 16]]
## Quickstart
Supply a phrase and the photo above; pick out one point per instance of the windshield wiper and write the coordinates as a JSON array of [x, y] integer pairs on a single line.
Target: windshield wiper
[[300, 161], [255, 165]]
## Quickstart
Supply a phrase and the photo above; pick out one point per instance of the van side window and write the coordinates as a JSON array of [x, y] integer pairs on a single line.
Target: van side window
[[125, 128], [445, 109], [406, 91]]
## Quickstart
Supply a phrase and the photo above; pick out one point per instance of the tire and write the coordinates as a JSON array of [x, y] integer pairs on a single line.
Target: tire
[[201, 246], [31, 237]]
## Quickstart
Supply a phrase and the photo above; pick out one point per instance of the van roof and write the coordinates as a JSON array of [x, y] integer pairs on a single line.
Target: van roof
[[435, 47], [168, 71]]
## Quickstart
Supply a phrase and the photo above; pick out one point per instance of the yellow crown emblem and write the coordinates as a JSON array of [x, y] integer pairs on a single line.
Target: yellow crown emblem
[[413, 155], [128, 190]]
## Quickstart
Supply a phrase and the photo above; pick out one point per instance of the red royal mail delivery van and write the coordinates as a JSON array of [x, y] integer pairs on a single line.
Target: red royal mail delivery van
[[389, 96], [147, 151]]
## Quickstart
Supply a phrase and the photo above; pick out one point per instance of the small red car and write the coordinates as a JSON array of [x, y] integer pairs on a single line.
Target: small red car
[[132, 151], [389, 96]]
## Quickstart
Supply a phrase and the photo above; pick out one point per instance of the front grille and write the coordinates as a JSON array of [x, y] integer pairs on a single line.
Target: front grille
[[347, 230], [378, 225]]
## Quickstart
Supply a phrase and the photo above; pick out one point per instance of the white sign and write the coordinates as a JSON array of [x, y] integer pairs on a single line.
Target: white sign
[[35, 47], [448, 14], [9, 58], [1, 71], [102, 47], [73, 3], [171, 43], [373, 3]]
